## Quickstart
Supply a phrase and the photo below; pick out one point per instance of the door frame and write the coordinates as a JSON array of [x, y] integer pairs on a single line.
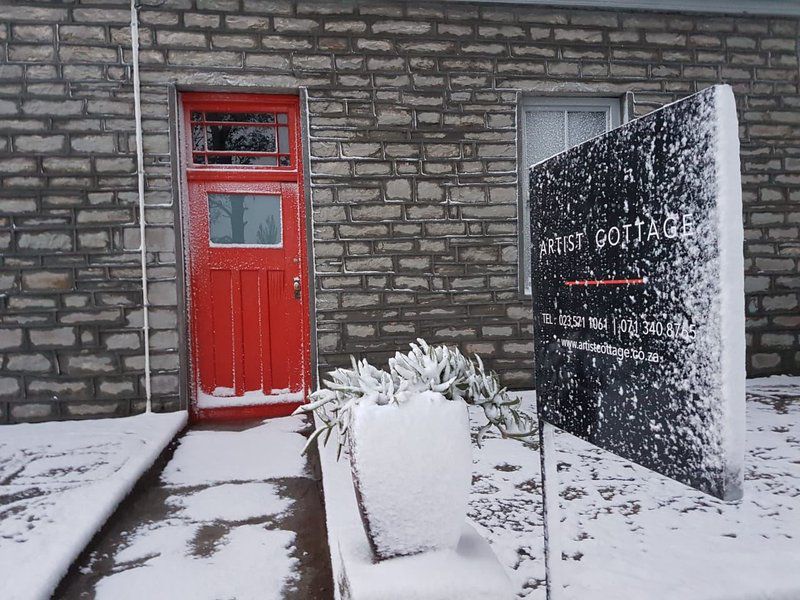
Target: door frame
[[185, 171]]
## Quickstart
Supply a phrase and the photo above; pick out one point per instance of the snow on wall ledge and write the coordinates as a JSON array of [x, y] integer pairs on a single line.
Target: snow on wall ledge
[[63, 481]]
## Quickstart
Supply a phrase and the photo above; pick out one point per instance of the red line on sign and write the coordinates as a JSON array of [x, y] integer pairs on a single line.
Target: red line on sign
[[607, 281]]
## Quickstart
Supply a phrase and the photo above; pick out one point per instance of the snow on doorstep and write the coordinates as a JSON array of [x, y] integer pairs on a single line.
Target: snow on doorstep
[[471, 571], [398, 454], [626, 531], [60, 482], [224, 396]]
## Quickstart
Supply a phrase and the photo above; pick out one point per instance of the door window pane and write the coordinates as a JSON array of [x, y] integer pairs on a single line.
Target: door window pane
[[254, 139], [217, 159], [245, 220]]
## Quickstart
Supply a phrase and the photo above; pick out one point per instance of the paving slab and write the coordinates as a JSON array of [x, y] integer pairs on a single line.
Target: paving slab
[[236, 512]]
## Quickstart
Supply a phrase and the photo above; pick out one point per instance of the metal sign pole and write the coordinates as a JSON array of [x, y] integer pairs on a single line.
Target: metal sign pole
[[552, 552]]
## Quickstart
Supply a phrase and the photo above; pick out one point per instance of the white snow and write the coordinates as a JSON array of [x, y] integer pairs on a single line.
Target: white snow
[[205, 457], [410, 455], [249, 563], [626, 531], [471, 571], [231, 502], [60, 482], [225, 396], [219, 538], [731, 269]]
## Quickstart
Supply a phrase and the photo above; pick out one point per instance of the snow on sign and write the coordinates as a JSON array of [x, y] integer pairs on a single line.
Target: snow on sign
[[638, 292]]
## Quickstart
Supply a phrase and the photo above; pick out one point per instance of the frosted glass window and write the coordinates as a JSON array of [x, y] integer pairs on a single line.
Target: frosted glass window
[[584, 125], [244, 220], [550, 126], [547, 127]]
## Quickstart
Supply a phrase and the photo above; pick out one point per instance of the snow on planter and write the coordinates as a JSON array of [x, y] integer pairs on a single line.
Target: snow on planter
[[637, 277], [412, 468], [471, 571]]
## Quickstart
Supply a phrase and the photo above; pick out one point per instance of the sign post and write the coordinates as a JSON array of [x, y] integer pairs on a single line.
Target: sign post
[[552, 551], [638, 294]]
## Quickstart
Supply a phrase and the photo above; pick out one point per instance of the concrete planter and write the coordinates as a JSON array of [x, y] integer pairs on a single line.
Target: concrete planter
[[412, 469]]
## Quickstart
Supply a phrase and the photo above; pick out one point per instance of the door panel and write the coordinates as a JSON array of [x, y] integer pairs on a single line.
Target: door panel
[[249, 327], [250, 342]]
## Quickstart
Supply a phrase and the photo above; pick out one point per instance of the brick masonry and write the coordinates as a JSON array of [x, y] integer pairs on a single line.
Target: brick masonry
[[414, 176]]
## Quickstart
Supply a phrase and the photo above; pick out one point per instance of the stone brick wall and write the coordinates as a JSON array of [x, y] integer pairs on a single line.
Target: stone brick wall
[[414, 176], [70, 283]]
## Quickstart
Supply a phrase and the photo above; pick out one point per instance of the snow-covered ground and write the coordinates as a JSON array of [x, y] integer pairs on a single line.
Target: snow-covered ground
[[220, 534], [59, 482], [627, 532], [623, 531]]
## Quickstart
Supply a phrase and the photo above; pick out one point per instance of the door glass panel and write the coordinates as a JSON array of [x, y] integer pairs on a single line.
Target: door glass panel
[[585, 125], [283, 139], [233, 117], [231, 138], [245, 220], [228, 159]]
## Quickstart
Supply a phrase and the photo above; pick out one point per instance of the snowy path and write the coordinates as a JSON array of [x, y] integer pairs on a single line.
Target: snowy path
[[236, 513], [628, 532], [59, 482]]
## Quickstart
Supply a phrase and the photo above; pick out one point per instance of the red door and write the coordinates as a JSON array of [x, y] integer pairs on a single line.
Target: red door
[[248, 325]]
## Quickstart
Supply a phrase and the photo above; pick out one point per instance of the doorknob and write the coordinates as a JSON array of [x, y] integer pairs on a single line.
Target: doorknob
[[296, 282]]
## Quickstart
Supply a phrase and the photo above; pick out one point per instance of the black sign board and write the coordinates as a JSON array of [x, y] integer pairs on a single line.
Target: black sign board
[[637, 277]]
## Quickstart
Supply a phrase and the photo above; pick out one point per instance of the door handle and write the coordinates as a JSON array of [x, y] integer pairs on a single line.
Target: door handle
[[296, 285]]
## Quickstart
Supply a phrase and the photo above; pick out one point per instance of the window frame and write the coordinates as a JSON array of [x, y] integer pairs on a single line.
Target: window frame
[[613, 110], [240, 102]]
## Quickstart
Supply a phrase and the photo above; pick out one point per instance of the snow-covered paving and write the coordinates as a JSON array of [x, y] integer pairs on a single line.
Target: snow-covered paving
[[628, 532], [218, 526], [59, 482]]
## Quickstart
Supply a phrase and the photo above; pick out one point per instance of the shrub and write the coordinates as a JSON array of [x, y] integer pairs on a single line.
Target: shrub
[[440, 369]]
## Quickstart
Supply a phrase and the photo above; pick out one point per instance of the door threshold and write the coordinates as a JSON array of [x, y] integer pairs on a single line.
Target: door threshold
[[238, 413]]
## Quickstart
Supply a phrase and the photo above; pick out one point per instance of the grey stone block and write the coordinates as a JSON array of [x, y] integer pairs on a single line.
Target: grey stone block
[[122, 341], [9, 387], [113, 388], [56, 337], [44, 240], [10, 339], [28, 363], [59, 389], [766, 360], [31, 412], [47, 280], [87, 363]]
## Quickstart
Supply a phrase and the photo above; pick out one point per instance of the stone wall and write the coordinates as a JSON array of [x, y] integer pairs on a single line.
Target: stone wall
[[413, 170]]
